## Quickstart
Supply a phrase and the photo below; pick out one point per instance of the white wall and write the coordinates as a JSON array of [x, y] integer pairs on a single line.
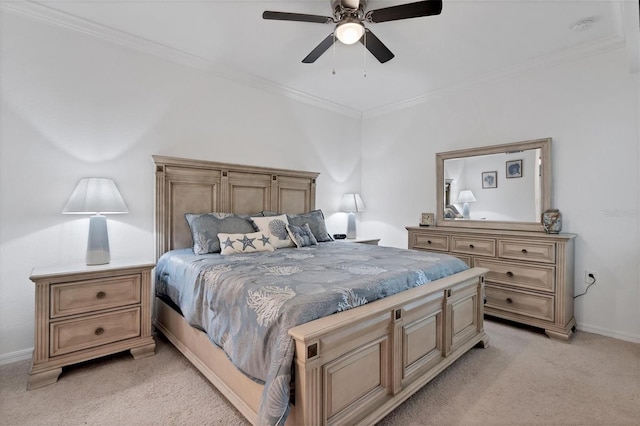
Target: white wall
[[75, 106], [590, 109]]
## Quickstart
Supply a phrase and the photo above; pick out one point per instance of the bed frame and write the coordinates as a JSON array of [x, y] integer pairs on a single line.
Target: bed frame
[[352, 367]]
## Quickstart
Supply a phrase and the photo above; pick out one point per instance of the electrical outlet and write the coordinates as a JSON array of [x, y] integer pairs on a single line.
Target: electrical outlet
[[589, 276]]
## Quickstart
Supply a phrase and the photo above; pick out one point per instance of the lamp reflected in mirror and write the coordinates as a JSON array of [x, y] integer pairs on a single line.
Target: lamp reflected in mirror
[[465, 197]]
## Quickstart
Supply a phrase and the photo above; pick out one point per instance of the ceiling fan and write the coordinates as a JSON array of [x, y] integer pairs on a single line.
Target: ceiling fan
[[349, 17]]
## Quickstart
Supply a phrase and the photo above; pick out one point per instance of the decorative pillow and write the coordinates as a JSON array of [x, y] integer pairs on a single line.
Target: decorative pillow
[[276, 228], [244, 243], [315, 219], [206, 227], [302, 235]]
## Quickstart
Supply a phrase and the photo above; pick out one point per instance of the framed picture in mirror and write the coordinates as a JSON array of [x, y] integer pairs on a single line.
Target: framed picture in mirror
[[489, 180], [514, 169]]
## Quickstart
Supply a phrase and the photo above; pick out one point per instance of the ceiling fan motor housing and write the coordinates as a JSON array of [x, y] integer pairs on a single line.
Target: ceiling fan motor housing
[[344, 9]]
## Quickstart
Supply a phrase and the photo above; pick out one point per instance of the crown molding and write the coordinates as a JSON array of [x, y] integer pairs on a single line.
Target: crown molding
[[43, 13], [543, 62], [51, 16]]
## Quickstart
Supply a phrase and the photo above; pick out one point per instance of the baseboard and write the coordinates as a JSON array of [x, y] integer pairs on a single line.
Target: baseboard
[[608, 333], [12, 357]]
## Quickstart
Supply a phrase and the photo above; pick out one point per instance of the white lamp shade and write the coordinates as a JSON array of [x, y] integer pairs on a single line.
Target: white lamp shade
[[95, 196], [349, 32], [466, 196], [352, 203]]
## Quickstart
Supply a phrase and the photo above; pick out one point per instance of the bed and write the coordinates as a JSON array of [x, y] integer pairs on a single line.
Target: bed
[[351, 367]]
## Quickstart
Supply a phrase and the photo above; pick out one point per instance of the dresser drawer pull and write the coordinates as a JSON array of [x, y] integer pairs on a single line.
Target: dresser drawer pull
[[510, 274], [471, 246], [99, 331], [428, 241], [101, 295], [524, 251], [509, 300]]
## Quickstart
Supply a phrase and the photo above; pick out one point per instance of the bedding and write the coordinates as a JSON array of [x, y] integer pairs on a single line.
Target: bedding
[[246, 303]]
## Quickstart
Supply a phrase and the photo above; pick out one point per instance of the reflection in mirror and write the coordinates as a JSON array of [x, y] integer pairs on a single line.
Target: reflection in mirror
[[501, 186], [512, 193]]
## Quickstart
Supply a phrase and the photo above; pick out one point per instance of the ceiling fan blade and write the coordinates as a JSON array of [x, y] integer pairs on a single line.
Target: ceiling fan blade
[[376, 47], [405, 11], [319, 50], [299, 17]]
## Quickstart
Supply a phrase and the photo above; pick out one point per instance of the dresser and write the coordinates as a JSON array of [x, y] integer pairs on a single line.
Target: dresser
[[530, 278], [84, 312]]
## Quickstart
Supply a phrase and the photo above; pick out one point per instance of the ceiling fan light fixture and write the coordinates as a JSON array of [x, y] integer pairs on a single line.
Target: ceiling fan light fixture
[[349, 31]]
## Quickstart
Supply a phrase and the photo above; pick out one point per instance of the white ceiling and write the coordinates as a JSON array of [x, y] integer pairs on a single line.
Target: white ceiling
[[469, 41]]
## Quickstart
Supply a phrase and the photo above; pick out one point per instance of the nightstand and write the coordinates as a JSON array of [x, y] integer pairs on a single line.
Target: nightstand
[[85, 312], [372, 241]]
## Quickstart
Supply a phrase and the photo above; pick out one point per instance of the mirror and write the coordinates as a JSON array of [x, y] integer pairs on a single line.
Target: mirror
[[496, 187]]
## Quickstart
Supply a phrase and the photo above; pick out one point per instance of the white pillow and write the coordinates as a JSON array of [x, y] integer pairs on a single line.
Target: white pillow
[[244, 243], [276, 228]]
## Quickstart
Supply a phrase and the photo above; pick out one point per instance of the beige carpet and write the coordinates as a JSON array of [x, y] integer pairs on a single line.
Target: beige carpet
[[523, 378]]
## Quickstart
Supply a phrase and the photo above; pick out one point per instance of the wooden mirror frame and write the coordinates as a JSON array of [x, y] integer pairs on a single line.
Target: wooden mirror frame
[[545, 197]]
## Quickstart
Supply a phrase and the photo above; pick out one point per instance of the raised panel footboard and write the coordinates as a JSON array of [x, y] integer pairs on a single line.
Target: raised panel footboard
[[354, 367]]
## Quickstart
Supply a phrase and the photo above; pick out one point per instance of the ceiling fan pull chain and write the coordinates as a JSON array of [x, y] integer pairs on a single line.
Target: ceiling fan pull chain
[[334, 53], [364, 55]]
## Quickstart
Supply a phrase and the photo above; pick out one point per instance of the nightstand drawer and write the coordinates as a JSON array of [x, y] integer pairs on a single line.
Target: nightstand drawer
[[431, 242], [475, 246], [537, 252], [94, 295], [517, 302], [83, 333], [516, 275]]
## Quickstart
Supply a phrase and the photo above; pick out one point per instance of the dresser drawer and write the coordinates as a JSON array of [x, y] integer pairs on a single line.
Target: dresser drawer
[[475, 246], [94, 295], [518, 302], [519, 275], [83, 333], [533, 251], [431, 242]]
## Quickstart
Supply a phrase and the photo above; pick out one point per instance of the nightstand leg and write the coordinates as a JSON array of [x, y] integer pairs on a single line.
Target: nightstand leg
[[143, 351], [37, 380]]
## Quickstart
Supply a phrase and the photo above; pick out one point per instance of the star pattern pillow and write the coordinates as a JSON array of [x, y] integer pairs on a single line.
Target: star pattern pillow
[[276, 228], [244, 243]]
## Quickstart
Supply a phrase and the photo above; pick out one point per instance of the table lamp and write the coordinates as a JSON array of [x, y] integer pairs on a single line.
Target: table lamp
[[97, 196], [352, 204], [466, 197]]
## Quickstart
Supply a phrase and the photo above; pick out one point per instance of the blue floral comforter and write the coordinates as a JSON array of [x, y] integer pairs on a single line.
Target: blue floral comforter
[[246, 303]]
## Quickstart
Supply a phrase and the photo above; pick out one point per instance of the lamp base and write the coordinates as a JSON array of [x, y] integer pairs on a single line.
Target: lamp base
[[465, 211], [351, 226], [98, 242]]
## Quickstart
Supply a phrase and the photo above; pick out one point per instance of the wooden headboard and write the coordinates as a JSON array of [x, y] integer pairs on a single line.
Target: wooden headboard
[[196, 186]]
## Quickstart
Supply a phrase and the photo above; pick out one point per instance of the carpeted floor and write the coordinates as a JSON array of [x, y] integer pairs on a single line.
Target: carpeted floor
[[523, 378]]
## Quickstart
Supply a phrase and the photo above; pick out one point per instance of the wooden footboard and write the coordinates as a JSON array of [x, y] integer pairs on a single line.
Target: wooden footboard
[[356, 366]]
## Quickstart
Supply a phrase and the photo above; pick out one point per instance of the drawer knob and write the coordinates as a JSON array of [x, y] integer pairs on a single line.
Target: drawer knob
[[99, 331], [428, 241], [101, 295], [509, 300], [471, 246], [510, 274], [524, 251]]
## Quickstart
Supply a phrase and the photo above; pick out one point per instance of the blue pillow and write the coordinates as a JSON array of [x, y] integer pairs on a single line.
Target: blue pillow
[[301, 235], [315, 220], [205, 228]]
